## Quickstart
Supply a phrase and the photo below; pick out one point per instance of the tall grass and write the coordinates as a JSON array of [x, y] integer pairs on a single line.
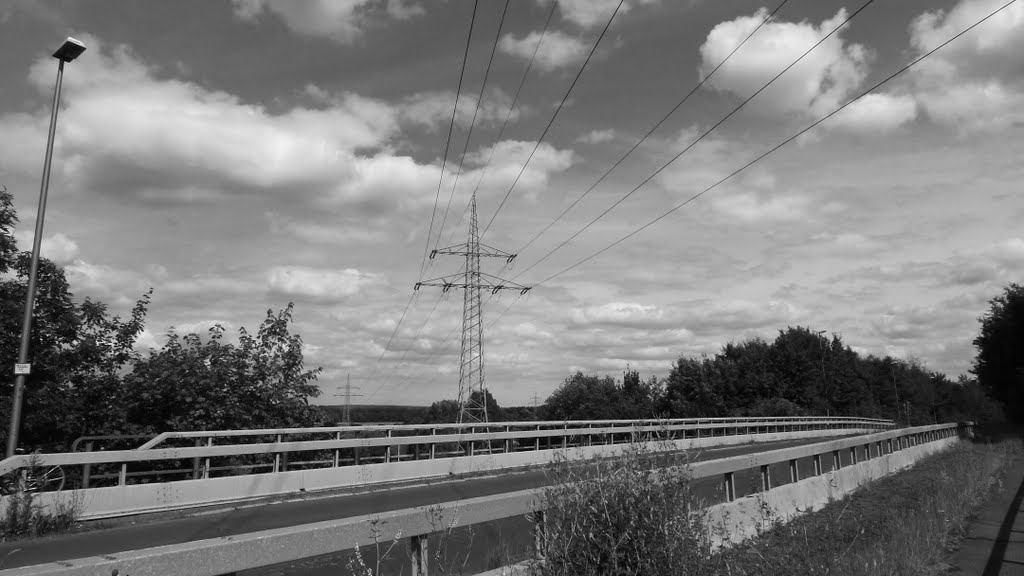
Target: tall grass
[[24, 517], [605, 517]]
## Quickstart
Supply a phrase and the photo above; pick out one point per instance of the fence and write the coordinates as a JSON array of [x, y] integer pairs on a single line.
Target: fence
[[220, 556], [174, 456]]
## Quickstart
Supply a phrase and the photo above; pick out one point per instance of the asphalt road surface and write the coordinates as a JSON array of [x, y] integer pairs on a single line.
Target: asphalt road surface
[[189, 526]]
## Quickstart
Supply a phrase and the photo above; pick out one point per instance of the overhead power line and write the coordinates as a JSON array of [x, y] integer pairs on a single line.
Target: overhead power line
[[779, 145], [696, 141], [472, 123], [511, 108], [401, 361], [653, 129], [555, 115], [448, 142], [433, 211]]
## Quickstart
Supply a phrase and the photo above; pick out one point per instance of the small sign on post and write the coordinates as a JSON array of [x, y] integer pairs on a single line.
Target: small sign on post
[[22, 369]]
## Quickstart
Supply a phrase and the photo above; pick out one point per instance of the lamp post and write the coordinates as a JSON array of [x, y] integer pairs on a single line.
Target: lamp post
[[824, 380], [67, 52]]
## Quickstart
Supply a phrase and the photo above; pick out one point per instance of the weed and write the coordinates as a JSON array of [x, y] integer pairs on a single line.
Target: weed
[[24, 516], [635, 514]]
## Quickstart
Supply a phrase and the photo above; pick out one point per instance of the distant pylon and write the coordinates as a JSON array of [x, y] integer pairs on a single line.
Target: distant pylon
[[346, 414], [471, 366]]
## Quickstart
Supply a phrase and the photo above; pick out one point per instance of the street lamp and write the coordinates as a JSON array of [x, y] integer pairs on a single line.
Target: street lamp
[[67, 52], [824, 380]]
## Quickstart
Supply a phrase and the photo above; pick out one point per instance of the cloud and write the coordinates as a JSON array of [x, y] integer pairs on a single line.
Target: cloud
[[341, 21], [598, 136], [335, 233], [318, 283], [975, 83], [508, 159], [986, 267], [626, 314], [58, 247], [876, 113], [815, 86], [179, 142], [434, 109], [753, 207], [590, 13], [557, 49]]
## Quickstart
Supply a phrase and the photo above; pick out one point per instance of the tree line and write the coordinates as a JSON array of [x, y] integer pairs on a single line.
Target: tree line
[[799, 373]]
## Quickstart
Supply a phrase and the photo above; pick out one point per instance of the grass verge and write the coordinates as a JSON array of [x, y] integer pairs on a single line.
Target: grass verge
[[610, 519], [903, 524]]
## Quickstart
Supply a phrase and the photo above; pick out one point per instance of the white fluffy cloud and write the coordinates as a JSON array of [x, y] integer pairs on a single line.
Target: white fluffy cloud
[[815, 86], [317, 283], [557, 49], [876, 113], [338, 20], [58, 247], [434, 109], [177, 141], [590, 13], [977, 82]]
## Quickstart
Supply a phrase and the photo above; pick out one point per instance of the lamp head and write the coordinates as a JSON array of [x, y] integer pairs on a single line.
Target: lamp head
[[69, 50]]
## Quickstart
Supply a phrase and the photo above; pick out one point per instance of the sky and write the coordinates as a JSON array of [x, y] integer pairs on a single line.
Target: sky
[[239, 155]]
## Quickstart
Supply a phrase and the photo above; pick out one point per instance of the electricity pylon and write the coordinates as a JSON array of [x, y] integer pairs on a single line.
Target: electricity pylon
[[346, 415], [471, 281]]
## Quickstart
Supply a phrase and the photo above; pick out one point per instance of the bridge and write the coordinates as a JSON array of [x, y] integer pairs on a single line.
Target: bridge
[[188, 470]]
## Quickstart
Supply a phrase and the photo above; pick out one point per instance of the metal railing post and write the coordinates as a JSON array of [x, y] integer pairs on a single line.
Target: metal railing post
[[730, 486], [419, 555], [837, 462], [195, 461], [206, 463], [122, 478], [277, 457], [387, 451], [433, 447], [536, 441], [86, 468], [508, 441], [794, 470], [817, 464], [766, 478], [853, 455], [337, 451]]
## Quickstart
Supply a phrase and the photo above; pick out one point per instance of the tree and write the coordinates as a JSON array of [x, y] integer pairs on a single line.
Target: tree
[[61, 399], [999, 364], [192, 384], [582, 397], [443, 412]]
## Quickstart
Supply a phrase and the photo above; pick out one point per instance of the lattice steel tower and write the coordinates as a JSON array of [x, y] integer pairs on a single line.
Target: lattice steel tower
[[472, 280]]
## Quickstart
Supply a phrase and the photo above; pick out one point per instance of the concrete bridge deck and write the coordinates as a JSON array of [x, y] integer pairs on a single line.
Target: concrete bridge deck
[[107, 537]]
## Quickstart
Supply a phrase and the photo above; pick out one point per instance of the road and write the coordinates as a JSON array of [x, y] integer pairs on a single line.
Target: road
[[190, 526]]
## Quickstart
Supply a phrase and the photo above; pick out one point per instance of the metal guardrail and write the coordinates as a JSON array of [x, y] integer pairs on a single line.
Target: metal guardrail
[[226, 555], [391, 430], [354, 445]]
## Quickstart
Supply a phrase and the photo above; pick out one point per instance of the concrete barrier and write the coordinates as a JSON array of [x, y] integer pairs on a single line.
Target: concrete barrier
[[741, 518]]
